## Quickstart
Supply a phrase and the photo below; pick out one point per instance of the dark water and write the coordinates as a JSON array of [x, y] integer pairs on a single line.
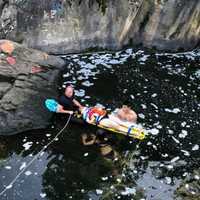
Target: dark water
[[162, 88]]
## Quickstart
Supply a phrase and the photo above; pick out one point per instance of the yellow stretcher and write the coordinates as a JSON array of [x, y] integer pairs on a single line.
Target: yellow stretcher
[[135, 132]]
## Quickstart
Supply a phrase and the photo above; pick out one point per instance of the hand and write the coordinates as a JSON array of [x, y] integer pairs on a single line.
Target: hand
[[71, 112]]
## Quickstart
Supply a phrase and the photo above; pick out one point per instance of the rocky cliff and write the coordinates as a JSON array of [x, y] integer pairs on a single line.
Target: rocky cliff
[[27, 78], [63, 26]]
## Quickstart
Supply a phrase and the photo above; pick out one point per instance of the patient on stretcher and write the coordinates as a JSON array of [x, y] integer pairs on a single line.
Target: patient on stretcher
[[122, 119]]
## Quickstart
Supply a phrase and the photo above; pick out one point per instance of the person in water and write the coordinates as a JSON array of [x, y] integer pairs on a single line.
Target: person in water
[[67, 103]]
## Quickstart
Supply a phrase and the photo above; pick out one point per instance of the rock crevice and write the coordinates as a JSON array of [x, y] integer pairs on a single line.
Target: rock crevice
[[27, 78]]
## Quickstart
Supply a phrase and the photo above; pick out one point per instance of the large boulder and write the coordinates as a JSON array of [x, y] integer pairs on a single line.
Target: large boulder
[[67, 26], [27, 77]]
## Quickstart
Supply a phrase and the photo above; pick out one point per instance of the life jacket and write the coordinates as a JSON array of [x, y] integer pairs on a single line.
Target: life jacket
[[94, 111]]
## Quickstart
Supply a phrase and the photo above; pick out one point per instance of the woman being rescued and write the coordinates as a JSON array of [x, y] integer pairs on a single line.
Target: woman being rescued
[[122, 120]]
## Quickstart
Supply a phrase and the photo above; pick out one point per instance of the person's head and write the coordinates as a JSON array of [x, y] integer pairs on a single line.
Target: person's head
[[126, 109], [69, 90], [131, 118]]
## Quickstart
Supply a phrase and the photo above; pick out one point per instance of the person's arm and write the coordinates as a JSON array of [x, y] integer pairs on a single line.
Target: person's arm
[[61, 110], [77, 103]]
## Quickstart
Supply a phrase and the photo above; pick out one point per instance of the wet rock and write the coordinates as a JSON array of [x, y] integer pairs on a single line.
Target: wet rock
[[72, 26], [4, 87], [24, 85]]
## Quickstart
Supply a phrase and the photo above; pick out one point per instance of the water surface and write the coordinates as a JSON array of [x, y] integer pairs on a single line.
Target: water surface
[[162, 88]]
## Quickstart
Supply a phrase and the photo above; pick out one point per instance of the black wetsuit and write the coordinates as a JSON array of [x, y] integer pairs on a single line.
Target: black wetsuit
[[67, 103]]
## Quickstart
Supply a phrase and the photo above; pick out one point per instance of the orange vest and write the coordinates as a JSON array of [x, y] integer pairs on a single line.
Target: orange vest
[[98, 111]]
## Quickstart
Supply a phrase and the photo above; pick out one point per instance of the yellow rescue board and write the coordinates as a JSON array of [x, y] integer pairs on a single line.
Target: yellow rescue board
[[136, 132]]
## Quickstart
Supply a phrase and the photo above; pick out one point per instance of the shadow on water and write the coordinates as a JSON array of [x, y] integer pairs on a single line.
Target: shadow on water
[[162, 88]]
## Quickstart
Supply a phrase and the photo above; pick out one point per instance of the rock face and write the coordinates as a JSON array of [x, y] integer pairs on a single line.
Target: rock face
[[66, 26], [27, 77]]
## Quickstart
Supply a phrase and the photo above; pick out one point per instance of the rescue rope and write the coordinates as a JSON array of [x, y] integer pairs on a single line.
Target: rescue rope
[[34, 158]]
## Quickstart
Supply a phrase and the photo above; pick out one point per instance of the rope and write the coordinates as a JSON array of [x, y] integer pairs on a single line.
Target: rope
[[35, 157]]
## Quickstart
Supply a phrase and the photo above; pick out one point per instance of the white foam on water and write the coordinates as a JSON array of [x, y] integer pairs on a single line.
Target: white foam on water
[[185, 174], [197, 73], [153, 131], [118, 180], [149, 143], [144, 58], [66, 75], [183, 134], [170, 167], [189, 57], [98, 191], [165, 155], [89, 66], [155, 147], [74, 56], [27, 145], [82, 190], [175, 159], [8, 167], [104, 178], [195, 147], [80, 93], [128, 191], [187, 186], [159, 126], [129, 51], [139, 52], [170, 131], [143, 106], [113, 62], [196, 177], [43, 195], [154, 95], [87, 83], [175, 110], [98, 61], [186, 153], [168, 180], [156, 107], [142, 116], [28, 173], [177, 141], [183, 124], [76, 60], [144, 157], [85, 154]]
